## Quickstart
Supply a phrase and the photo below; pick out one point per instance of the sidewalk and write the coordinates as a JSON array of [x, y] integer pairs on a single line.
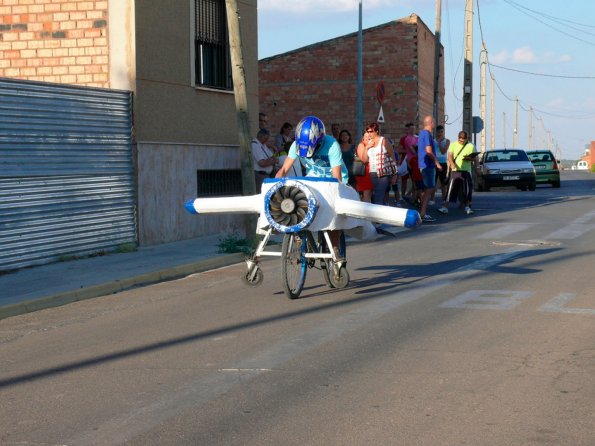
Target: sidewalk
[[47, 286]]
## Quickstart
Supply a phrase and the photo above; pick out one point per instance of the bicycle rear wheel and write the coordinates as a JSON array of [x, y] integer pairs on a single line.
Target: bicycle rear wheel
[[339, 279], [294, 264]]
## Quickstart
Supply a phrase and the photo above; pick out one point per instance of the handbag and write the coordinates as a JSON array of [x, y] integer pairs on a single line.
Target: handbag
[[387, 165], [358, 168]]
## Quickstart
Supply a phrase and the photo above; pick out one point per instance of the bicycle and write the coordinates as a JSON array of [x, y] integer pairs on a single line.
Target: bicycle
[[300, 251]]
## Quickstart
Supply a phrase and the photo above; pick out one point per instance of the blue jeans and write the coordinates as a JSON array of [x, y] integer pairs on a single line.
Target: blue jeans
[[380, 185]]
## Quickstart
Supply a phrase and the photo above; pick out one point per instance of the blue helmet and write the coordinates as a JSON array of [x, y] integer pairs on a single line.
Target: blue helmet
[[308, 134]]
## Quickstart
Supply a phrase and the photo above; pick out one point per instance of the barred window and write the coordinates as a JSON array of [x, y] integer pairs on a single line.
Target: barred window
[[211, 41]]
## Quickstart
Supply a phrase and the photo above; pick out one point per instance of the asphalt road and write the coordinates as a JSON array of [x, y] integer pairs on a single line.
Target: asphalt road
[[476, 330]]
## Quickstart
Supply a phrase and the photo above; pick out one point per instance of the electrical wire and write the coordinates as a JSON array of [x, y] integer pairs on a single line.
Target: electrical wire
[[543, 74]]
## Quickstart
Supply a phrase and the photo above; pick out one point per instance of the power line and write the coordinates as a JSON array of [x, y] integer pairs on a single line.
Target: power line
[[518, 7], [542, 74]]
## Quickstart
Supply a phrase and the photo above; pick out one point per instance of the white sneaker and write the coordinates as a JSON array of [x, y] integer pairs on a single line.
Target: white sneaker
[[443, 210], [431, 202], [468, 210]]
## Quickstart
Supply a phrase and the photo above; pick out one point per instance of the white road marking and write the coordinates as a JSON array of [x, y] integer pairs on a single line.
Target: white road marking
[[505, 230], [558, 305]]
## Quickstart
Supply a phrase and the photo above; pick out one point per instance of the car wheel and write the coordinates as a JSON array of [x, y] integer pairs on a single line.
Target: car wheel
[[556, 183], [523, 187], [532, 186], [486, 186]]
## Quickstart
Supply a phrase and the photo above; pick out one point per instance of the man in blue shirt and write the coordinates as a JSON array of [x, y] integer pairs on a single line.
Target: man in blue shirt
[[427, 165], [321, 155]]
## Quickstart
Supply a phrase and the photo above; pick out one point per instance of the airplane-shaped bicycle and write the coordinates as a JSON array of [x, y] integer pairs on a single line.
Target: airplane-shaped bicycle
[[305, 209]]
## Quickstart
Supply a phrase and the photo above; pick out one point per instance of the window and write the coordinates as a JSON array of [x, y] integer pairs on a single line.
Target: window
[[211, 44]]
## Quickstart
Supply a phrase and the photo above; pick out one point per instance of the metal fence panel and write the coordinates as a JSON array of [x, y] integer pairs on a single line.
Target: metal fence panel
[[66, 172]]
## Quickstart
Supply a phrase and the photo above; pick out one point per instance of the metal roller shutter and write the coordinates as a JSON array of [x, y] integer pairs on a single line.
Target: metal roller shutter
[[66, 172]]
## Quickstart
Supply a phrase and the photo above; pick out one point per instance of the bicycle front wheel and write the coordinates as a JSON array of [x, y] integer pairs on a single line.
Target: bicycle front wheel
[[294, 264]]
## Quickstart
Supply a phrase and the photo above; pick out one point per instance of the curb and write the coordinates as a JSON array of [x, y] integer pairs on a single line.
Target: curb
[[116, 286]]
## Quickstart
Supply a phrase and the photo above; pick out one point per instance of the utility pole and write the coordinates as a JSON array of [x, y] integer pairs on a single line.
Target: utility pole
[[504, 129], [241, 100], [468, 70], [482, 97], [530, 128], [360, 76], [492, 114], [549, 140], [540, 133], [516, 121], [437, 60]]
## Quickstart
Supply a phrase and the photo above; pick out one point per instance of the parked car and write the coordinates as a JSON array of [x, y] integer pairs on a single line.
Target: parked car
[[582, 165], [547, 169], [504, 167]]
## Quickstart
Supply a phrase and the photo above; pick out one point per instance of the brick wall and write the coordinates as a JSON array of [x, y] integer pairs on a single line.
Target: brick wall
[[321, 79], [61, 41]]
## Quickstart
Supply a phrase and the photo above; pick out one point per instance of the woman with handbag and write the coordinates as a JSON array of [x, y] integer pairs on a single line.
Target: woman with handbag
[[379, 154]]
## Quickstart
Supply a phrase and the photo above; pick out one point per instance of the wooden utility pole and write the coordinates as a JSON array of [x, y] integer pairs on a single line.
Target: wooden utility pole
[[437, 61], [482, 97], [468, 70], [241, 100]]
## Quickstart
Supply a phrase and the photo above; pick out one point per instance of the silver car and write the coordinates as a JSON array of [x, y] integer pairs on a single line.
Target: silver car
[[504, 167]]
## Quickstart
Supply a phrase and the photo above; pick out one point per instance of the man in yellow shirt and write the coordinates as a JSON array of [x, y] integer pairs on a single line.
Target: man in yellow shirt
[[461, 156]]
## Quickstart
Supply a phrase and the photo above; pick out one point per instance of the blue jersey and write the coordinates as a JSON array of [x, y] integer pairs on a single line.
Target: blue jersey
[[425, 139], [326, 157]]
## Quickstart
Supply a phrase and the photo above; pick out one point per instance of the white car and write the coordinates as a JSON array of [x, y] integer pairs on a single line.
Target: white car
[[504, 167]]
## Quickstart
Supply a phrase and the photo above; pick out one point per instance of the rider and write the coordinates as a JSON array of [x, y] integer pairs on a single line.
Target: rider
[[320, 154]]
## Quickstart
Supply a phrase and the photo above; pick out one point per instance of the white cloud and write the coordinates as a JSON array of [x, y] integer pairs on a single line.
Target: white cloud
[[525, 56], [312, 6]]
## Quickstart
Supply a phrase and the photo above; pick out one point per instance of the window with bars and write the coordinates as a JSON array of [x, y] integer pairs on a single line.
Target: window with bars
[[211, 42]]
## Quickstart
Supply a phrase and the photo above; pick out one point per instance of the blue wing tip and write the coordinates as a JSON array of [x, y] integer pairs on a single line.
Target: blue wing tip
[[412, 219], [189, 205]]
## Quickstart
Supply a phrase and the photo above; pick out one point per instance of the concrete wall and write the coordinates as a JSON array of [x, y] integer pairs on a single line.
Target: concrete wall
[[162, 217], [321, 79]]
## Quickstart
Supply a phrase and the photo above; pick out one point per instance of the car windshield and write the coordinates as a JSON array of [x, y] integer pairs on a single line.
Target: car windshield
[[540, 156], [496, 156]]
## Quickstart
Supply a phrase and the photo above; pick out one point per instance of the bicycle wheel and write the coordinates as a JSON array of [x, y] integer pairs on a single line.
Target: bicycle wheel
[[333, 279], [293, 264], [326, 265]]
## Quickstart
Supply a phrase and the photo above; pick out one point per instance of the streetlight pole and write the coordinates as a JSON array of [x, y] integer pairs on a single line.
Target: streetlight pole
[[360, 76]]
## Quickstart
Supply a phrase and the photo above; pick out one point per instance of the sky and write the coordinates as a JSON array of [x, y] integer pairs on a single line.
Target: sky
[[539, 51]]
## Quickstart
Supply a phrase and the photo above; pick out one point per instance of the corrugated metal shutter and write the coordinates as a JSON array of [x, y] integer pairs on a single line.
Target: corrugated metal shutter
[[66, 172]]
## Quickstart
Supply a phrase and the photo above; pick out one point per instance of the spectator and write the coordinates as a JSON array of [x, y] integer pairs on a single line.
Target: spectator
[[262, 124], [375, 149], [364, 183], [427, 165], [441, 144], [347, 152], [335, 130], [460, 160], [284, 139], [262, 157], [410, 146], [283, 142]]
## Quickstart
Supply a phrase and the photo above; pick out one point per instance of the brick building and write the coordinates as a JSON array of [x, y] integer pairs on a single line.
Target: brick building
[[175, 61], [61, 42], [321, 79]]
